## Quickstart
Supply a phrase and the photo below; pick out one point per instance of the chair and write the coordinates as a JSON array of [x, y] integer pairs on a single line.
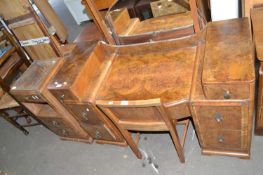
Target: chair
[[12, 63], [7, 103], [143, 115]]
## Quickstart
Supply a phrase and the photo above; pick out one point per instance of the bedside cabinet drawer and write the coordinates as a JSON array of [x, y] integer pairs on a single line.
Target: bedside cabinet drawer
[[60, 127], [33, 98], [99, 132], [221, 139], [219, 117], [226, 92], [84, 113]]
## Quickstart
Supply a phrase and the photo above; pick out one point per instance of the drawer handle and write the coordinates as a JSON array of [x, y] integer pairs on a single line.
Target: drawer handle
[[227, 95], [64, 132], [55, 123], [218, 117], [85, 116], [62, 97], [221, 139], [97, 135]]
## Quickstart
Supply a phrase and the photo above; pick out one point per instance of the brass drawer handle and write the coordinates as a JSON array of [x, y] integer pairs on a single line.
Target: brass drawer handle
[[62, 97], [227, 95], [85, 116], [221, 139], [97, 135], [55, 123], [64, 132], [218, 117]]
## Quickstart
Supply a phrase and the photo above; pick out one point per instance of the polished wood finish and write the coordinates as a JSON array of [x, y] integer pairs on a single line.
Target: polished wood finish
[[235, 78], [77, 91], [48, 12], [99, 21], [146, 115], [129, 30], [102, 4], [256, 17], [247, 5], [224, 125], [116, 78], [13, 9], [31, 90]]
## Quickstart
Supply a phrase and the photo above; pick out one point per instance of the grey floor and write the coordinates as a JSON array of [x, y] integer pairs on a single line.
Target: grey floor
[[43, 153]]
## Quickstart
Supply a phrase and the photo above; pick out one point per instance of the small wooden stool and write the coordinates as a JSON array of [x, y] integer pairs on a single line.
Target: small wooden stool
[[8, 103]]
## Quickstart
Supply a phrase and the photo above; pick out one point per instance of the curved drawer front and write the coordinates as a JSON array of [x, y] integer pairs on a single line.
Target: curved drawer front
[[227, 92]]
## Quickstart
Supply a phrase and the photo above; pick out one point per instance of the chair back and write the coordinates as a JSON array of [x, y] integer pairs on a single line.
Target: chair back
[[141, 115]]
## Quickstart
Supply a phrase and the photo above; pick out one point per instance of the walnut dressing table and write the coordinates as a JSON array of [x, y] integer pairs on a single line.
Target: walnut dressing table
[[209, 77]]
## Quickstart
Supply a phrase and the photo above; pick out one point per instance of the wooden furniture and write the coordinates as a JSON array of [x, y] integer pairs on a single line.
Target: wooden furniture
[[38, 40], [247, 5], [102, 4], [192, 77], [7, 104], [143, 9], [256, 17], [99, 21], [167, 7], [31, 90], [127, 30], [223, 90], [50, 15], [75, 86], [12, 64], [129, 4], [145, 115]]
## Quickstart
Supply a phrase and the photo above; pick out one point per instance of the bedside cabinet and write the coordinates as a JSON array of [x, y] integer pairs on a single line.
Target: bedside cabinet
[[75, 86], [222, 101], [31, 90]]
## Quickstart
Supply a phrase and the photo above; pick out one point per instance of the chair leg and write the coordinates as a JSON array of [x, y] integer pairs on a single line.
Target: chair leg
[[127, 135], [14, 123], [186, 123], [173, 133]]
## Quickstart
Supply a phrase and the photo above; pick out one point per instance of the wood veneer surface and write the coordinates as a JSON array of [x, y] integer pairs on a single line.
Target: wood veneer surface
[[163, 23], [257, 16], [229, 42], [166, 74]]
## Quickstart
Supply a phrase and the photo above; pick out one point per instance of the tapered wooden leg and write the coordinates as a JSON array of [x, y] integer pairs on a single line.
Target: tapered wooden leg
[[173, 133], [186, 123], [125, 133]]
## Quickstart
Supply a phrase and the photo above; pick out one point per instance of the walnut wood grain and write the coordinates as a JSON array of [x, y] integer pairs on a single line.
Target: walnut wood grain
[[229, 42]]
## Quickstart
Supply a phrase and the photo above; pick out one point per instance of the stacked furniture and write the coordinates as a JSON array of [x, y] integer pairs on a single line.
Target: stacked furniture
[[40, 40], [13, 61], [31, 90]]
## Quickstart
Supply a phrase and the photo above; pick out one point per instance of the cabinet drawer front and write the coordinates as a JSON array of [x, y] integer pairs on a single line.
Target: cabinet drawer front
[[35, 98], [60, 127], [63, 95], [99, 132], [219, 117], [229, 91], [84, 113], [222, 139]]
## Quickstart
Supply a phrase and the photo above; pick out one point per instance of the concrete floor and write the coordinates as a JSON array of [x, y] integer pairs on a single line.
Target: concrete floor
[[43, 153]]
